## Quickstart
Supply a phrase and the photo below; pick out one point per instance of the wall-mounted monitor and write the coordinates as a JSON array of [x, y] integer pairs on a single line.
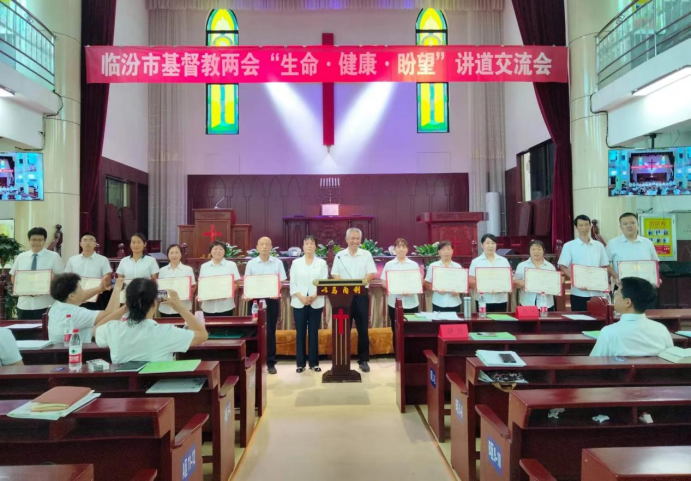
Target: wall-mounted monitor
[[650, 171], [21, 176]]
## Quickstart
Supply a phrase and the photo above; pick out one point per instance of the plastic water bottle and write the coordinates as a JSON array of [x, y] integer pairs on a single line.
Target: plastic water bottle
[[482, 306], [75, 356], [543, 305], [255, 311], [67, 332]]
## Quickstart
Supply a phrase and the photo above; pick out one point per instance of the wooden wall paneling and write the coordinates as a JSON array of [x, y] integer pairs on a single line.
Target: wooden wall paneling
[[514, 195], [405, 215], [385, 222], [294, 198], [256, 207], [275, 204], [237, 197], [440, 194]]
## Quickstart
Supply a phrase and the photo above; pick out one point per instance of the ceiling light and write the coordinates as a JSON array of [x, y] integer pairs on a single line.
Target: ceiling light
[[662, 82]]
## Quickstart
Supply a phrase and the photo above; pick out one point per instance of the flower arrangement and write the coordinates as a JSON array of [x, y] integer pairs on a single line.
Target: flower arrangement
[[255, 253], [323, 250], [232, 251]]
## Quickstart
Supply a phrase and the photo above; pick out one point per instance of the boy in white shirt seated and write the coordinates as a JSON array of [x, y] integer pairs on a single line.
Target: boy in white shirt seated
[[634, 334], [140, 338], [9, 352]]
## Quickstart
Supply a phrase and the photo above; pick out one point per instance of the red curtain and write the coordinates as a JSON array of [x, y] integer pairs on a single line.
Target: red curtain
[[98, 28], [543, 22]]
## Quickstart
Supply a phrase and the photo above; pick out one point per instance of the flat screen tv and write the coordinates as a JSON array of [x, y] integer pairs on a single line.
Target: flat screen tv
[[21, 176], [650, 171]]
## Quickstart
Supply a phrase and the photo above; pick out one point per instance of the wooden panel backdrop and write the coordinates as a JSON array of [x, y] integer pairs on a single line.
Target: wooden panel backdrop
[[394, 200]]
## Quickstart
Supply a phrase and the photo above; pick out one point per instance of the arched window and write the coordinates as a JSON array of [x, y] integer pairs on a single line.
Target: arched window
[[432, 98], [222, 99]]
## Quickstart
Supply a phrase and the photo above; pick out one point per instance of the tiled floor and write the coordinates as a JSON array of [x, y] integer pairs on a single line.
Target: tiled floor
[[315, 431]]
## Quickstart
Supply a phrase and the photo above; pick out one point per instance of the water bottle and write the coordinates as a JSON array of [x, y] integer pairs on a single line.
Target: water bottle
[[255, 311], [543, 305], [482, 306], [75, 356], [466, 307], [67, 332]]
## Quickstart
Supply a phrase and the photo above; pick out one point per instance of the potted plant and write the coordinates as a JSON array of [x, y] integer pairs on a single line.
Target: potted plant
[[232, 251], [371, 246], [323, 250], [9, 249]]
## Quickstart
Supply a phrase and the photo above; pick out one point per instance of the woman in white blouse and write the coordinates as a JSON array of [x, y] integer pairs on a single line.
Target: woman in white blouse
[[536, 261], [176, 269], [138, 265], [496, 302], [307, 305], [219, 266]]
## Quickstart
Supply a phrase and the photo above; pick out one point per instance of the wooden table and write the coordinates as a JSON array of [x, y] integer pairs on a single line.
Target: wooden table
[[544, 372], [557, 443], [30, 334], [120, 437], [215, 399], [668, 463], [64, 472]]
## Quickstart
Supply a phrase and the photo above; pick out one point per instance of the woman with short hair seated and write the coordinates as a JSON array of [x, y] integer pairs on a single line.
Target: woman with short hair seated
[[141, 338]]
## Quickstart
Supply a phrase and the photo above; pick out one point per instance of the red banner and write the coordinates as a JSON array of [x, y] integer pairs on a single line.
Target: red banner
[[320, 64]]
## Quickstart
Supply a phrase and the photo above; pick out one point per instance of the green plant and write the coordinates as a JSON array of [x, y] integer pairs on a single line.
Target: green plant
[[371, 246], [232, 251], [9, 249], [323, 250], [427, 250], [255, 253]]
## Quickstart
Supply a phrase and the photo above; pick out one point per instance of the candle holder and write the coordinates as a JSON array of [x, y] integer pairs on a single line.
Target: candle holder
[[330, 188]]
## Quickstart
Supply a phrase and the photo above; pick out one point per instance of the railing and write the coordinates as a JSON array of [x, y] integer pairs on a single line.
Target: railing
[[638, 33], [27, 44]]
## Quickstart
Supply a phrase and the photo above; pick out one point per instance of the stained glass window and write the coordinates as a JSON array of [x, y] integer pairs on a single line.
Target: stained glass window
[[432, 98], [222, 99]]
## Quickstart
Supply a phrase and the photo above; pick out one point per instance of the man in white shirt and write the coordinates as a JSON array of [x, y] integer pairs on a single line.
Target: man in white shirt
[[262, 265], [35, 259], [90, 265], [9, 352], [634, 334], [443, 301], [630, 246], [582, 251], [356, 263]]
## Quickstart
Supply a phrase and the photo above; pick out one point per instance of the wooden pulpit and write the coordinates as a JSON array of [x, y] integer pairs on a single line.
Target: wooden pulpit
[[460, 228], [213, 224], [340, 293]]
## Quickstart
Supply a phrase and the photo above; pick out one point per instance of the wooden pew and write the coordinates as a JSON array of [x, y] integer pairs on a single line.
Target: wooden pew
[[55, 472], [451, 356], [413, 338], [215, 399], [535, 470], [544, 372], [557, 443], [30, 334], [672, 318], [119, 437], [229, 353]]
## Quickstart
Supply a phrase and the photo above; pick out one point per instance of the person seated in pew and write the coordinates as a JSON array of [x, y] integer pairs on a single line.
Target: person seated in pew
[[69, 297], [536, 261], [634, 334], [176, 269], [9, 352], [140, 338]]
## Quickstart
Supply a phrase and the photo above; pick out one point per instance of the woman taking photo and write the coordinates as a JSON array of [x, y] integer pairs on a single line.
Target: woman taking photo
[[219, 266], [536, 261], [496, 302], [138, 265], [307, 305], [176, 269], [140, 338]]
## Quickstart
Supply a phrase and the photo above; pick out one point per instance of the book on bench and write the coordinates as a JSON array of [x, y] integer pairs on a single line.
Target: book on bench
[[676, 355], [31, 345], [26, 411], [500, 358], [59, 398]]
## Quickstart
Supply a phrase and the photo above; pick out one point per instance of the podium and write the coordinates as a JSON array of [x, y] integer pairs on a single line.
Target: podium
[[460, 228], [213, 224], [340, 293]]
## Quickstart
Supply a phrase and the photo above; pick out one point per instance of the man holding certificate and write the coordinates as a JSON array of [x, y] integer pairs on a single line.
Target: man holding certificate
[[496, 300], [90, 265], [356, 263], [632, 247], [265, 265], [216, 295], [582, 252], [36, 285], [409, 296], [443, 300], [530, 297]]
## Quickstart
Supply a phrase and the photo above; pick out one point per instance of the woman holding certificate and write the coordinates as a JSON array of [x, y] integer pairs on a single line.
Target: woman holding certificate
[[214, 302], [443, 300], [496, 300], [307, 305], [536, 261], [138, 265], [176, 269], [410, 299]]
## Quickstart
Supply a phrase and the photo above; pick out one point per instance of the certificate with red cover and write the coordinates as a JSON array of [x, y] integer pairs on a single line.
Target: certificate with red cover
[[32, 283], [216, 287], [590, 278], [648, 270], [181, 285], [262, 286], [491, 280]]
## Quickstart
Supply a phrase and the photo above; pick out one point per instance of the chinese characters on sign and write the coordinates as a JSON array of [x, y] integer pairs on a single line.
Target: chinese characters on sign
[[325, 64], [661, 229]]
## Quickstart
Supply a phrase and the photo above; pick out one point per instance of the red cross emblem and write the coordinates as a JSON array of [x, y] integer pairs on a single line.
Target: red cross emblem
[[212, 233], [341, 318]]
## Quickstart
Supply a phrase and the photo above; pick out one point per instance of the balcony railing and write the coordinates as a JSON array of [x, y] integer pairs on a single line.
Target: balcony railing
[[638, 33], [27, 44]]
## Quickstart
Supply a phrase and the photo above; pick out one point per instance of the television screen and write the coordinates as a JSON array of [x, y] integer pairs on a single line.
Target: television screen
[[21, 176], [650, 171]]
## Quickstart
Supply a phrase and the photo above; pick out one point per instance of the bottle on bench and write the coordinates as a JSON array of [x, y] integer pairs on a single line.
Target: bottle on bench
[[67, 332], [75, 356]]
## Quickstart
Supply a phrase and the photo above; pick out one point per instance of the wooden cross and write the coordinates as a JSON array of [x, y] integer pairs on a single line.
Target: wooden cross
[[341, 318], [212, 233]]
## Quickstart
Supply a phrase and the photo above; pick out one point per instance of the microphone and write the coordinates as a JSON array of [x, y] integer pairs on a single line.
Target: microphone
[[224, 198], [344, 268]]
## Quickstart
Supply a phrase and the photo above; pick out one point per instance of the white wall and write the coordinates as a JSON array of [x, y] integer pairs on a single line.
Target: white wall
[[281, 124], [127, 126], [523, 119]]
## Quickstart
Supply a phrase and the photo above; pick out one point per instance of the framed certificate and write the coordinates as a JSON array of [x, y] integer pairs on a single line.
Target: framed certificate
[[263, 286], [542, 281], [450, 279], [491, 280], [32, 283], [181, 285], [648, 270], [89, 283], [216, 287], [404, 282], [589, 278]]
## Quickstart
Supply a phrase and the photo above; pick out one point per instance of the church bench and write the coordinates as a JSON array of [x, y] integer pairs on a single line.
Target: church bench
[[215, 399], [557, 443], [452, 353], [30, 334], [119, 437], [63, 472], [413, 338], [542, 373]]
